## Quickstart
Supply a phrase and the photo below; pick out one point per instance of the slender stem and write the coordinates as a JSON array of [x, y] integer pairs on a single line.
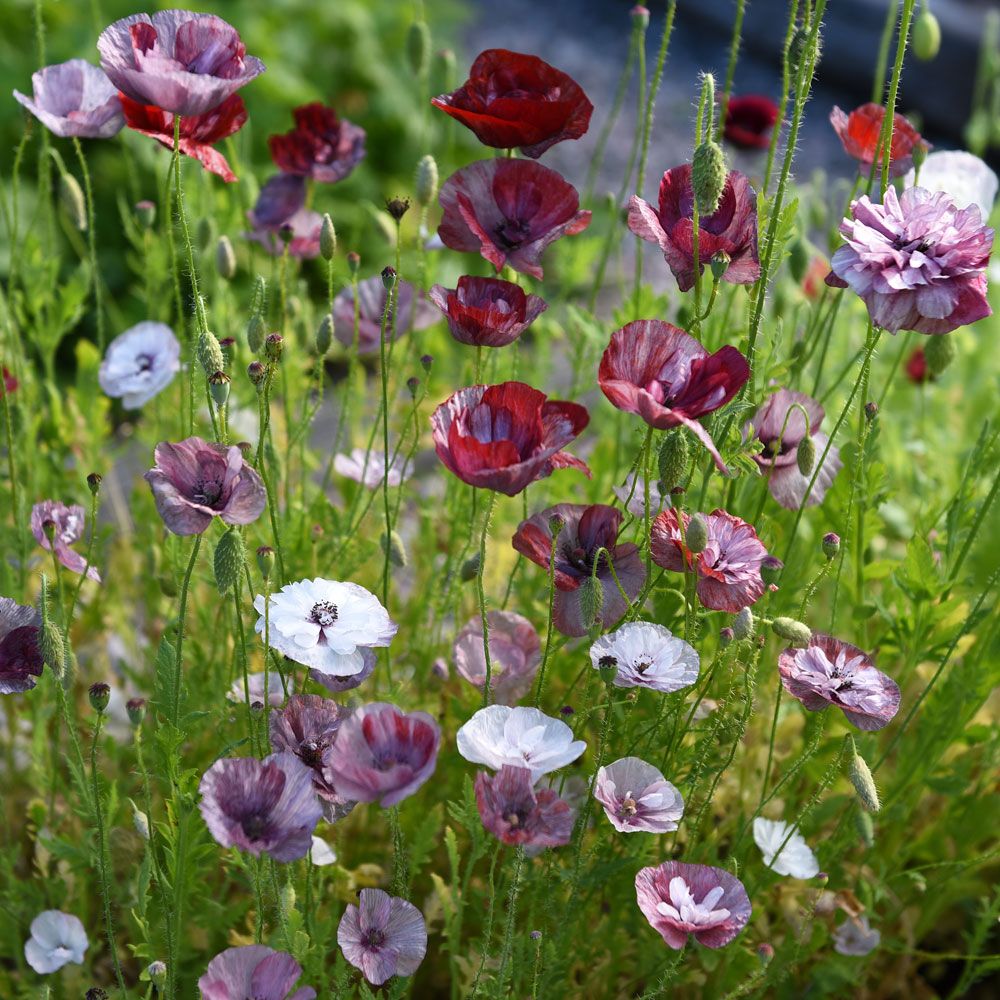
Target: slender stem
[[734, 51], [508, 934], [540, 686], [487, 680], [175, 700], [95, 274], [384, 373]]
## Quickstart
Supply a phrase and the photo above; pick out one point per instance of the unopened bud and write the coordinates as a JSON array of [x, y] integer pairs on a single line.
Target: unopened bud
[[939, 353], [640, 16], [805, 455], [353, 262], [324, 334], [926, 36], [397, 207], [50, 640], [591, 598], [209, 353], [274, 345], [770, 569], [765, 952], [100, 695], [865, 827], [607, 667], [327, 239], [388, 278], [708, 176], [265, 561], [556, 523], [94, 480], [673, 458], [425, 183], [229, 559], [396, 548], [726, 636], [798, 634], [412, 385], [871, 410], [418, 47], [157, 973], [696, 535], [864, 784], [831, 544], [206, 232], [136, 709], [145, 212], [71, 195], [218, 387], [256, 372], [743, 624], [225, 258], [426, 360], [799, 257], [256, 332]]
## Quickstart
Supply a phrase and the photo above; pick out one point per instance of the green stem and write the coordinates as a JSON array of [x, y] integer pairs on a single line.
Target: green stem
[[95, 274], [175, 698], [480, 590]]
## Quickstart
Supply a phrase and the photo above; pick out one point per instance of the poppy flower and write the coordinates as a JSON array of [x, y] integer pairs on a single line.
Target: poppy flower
[[199, 132], [784, 855], [965, 177], [368, 467], [281, 222], [56, 938], [140, 363], [916, 367], [855, 937], [587, 540], [662, 374], [859, 134], [66, 525], [321, 146], [383, 936], [515, 654], [515, 813], [731, 229], [636, 797], [517, 100], [503, 437], [647, 655], [750, 119], [415, 313], [20, 655], [253, 971], [633, 495], [74, 98], [509, 211], [487, 312]]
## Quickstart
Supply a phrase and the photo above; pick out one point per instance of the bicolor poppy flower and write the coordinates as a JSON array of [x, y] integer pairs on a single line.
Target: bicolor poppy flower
[[636, 797], [750, 119], [859, 134], [74, 98], [516, 813], [414, 313], [515, 654], [321, 146], [856, 937], [66, 526], [20, 655], [253, 971], [487, 312], [383, 936]]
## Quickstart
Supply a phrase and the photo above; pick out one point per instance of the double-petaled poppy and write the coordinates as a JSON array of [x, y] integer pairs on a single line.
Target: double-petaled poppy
[[750, 119], [859, 134], [321, 146], [487, 312]]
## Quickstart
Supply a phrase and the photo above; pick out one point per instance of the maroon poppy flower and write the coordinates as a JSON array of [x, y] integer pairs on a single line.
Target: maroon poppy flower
[[664, 375], [509, 211], [415, 313], [859, 134], [66, 526], [750, 120], [198, 132], [503, 437], [730, 229], [916, 367], [589, 535], [514, 812], [20, 657], [512, 99], [728, 568], [487, 312], [321, 146], [9, 382]]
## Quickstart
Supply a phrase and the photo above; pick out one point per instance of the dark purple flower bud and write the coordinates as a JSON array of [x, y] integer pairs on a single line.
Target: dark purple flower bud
[[256, 372], [388, 278], [770, 569], [274, 345], [831, 544], [871, 410], [426, 360], [94, 480]]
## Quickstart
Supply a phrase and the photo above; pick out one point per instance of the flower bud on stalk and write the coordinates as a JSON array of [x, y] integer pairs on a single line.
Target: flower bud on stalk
[[100, 695], [256, 372], [145, 212], [136, 709], [864, 784], [388, 278], [209, 353], [225, 258], [770, 569], [354, 262], [397, 207], [696, 536], [418, 47], [157, 973], [591, 599], [673, 458], [256, 332], [50, 640], [229, 559], [324, 334], [426, 181], [926, 36], [265, 561], [94, 480], [218, 387], [327, 239], [805, 455], [871, 410], [831, 544], [397, 550], [708, 176], [939, 353], [470, 569], [640, 16], [71, 195], [274, 345], [743, 624], [798, 634], [726, 636]]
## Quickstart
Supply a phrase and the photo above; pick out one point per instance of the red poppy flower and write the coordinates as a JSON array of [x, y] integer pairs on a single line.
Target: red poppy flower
[[198, 132], [9, 382], [321, 145], [916, 367], [511, 99], [750, 120], [487, 312], [665, 376], [509, 211], [859, 133], [730, 229], [814, 279], [503, 437]]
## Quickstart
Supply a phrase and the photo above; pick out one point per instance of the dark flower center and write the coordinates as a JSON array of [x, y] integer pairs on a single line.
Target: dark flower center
[[641, 666], [373, 938], [385, 759], [512, 233], [323, 613], [583, 561], [514, 819], [311, 752], [254, 826], [208, 492], [144, 362], [607, 661], [776, 447]]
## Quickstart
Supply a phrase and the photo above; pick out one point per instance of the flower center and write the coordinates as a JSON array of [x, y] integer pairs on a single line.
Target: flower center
[[323, 613], [144, 362], [512, 233], [513, 819], [311, 752], [373, 938], [628, 806], [254, 826], [207, 492]]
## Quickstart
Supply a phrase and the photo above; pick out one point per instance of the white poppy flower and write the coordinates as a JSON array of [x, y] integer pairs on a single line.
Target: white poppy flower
[[140, 363], [964, 176], [795, 858], [321, 853], [647, 655], [369, 473], [56, 938]]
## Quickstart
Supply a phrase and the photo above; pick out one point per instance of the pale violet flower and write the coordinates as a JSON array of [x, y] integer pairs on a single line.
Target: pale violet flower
[[321, 853], [140, 363], [635, 488], [794, 859], [855, 937], [636, 797], [369, 472], [962, 175], [56, 938], [522, 737], [645, 654], [326, 624]]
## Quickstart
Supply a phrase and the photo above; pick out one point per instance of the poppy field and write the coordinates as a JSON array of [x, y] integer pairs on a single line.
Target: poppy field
[[424, 573]]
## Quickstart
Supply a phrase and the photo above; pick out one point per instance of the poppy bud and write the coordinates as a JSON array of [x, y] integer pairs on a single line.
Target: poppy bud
[[673, 458], [805, 455], [397, 207], [425, 183], [794, 631], [743, 624], [265, 561], [388, 278], [256, 332], [770, 569], [229, 559], [797, 48], [274, 345], [871, 410], [765, 952], [719, 264], [470, 569], [865, 827], [567, 710], [413, 384], [206, 232], [535, 935], [354, 262], [145, 212], [95, 993], [864, 784], [225, 258], [167, 585], [556, 524], [926, 36], [157, 974], [218, 386], [140, 821], [591, 593], [209, 353], [608, 669], [94, 480], [919, 155], [939, 353], [726, 636], [640, 16], [426, 360], [324, 334], [136, 709], [831, 544], [696, 535], [100, 695], [397, 550], [256, 372], [50, 640], [418, 47], [439, 668], [708, 176], [327, 238], [71, 196]]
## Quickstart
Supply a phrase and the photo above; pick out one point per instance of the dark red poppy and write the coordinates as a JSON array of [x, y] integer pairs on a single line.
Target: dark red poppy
[[509, 211], [916, 367], [860, 130], [198, 132], [321, 146], [503, 437], [665, 376], [731, 229], [487, 312], [512, 99], [9, 382], [750, 120], [588, 537]]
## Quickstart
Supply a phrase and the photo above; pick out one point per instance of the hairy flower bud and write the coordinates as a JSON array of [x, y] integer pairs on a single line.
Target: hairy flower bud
[[871, 410], [265, 561], [939, 353], [743, 624], [50, 639], [708, 176], [99, 695], [94, 480], [470, 569], [794, 631], [640, 16], [274, 345], [726, 636], [591, 593], [418, 47], [324, 334], [157, 973], [225, 258], [673, 458], [388, 278], [831, 544], [327, 238], [256, 332], [354, 262], [425, 182], [805, 455], [770, 569], [229, 559], [799, 257], [864, 784], [865, 827], [696, 536], [209, 353], [426, 360], [396, 548], [71, 196], [256, 372], [412, 385], [926, 36]]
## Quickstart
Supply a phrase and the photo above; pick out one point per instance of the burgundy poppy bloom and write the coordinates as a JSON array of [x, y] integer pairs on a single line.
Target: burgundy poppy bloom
[[916, 367], [730, 229], [680, 899], [381, 752], [503, 437], [509, 211], [515, 655], [9, 382], [728, 568], [66, 525], [199, 133], [750, 120], [665, 376], [585, 531], [859, 134], [194, 481], [415, 313], [781, 429], [253, 971], [512, 99], [383, 936], [487, 312], [831, 672], [514, 812], [321, 146], [180, 61], [74, 98], [20, 657]]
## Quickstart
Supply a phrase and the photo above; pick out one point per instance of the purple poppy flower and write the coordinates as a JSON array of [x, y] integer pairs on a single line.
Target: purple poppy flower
[[648, 655], [383, 753], [194, 481], [368, 467], [680, 899], [487, 312], [855, 937], [515, 654], [20, 657], [383, 936], [74, 98], [917, 261], [183, 62], [415, 313], [66, 524], [261, 806], [515, 813], [281, 221], [589, 535], [253, 971], [831, 672], [637, 797], [321, 146]]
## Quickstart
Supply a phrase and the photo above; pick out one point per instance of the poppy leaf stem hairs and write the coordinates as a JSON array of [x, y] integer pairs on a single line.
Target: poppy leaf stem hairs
[[389, 280], [481, 594]]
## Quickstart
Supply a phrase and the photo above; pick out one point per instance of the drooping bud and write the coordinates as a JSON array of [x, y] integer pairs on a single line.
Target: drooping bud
[[719, 264], [743, 624], [136, 709], [229, 559], [805, 455], [939, 353], [218, 387], [673, 458], [324, 334], [256, 372], [418, 47], [274, 345], [794, 631], [863, 782], [265, 561], [327, 238], [388, 278], [397, 550], [470, 569], [225, 258], [708, 176], [94, 480], [425, 182], [926, 36], [209, 353], [831, 544], [354, 262], [696, 535], [871, 410], [397, 207], [100, 695], [865, 827], [145, 212], [71, 196], [770, 569]]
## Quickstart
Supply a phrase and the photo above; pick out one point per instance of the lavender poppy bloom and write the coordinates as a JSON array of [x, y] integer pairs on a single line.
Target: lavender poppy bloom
[[56, 938], [831, 672], [368, 468], [414, 313], [780, 428], [140, 363], [636, 797], [383, 936], [74, 98], [487, 312], [515, 654], [917, 261], [965, 177], [383, 753], [280, 220], [679, 899], [253, 971], [648, 655], [183, 62], [20, 657], [792, 858], [515, 813], [255, 683], [267, 806], [66, 524], [855, 937], [194, 481]]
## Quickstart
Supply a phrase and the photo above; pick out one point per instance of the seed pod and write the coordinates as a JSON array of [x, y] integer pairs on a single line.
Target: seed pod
[[229, 559], [673, 458], [708, 176], [327, 239], [470, 569], [805, 455], [225, 258], [418, 47], [265, 561], [71, 195], [926, 36], [397, 207], [425, 183], [388, 278], [256, 332], [256, 372], [397, 550], [798, 634], [145, 211], [209, 353], [218, 387], [696, 536], [865, 827], [864, 784], [939, 353], [591, 600], [99, 695], [743, 624], [354, 262], [719, 264]]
